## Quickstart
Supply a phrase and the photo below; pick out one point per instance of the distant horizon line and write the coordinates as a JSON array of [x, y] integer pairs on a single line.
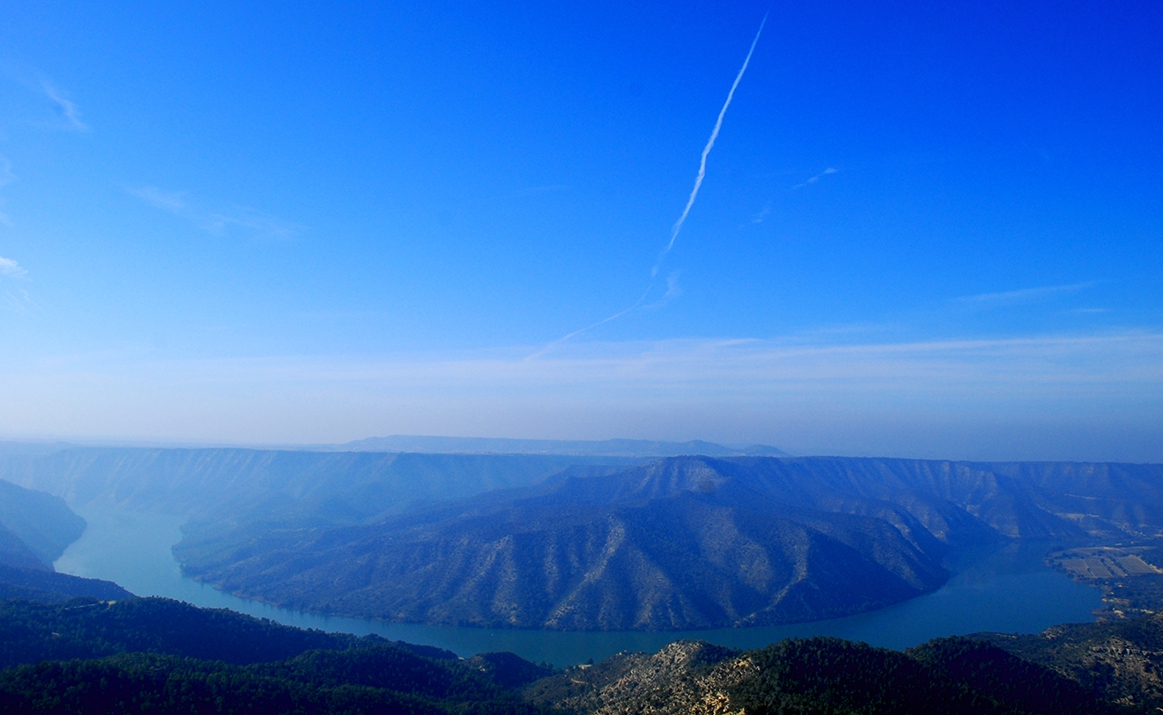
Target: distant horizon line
[[50, 445]]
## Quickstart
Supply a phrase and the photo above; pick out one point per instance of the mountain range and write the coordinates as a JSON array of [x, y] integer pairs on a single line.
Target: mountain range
[[687, 542], [580, 448], [592, 543]]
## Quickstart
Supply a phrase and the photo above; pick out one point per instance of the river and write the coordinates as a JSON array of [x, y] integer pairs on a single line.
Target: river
[[1008, 590]]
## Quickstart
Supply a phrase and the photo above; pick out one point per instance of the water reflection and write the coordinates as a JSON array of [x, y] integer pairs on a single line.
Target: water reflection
[[1009, 590]]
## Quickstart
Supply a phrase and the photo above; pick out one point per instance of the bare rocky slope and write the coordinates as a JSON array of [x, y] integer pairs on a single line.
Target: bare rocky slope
[[1118, 661], [818, 675]]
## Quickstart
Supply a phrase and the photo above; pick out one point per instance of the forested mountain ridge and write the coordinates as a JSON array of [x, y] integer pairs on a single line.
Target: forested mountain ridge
[[35, 527], [90, 628], [50, 587], [664, 564], [160, 656], [816, 675], [676, 543], [543, 541], [1120, 661]]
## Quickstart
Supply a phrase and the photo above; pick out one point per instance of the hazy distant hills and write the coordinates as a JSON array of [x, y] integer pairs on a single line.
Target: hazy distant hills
[[678, 543], [337, 486], [602, 448]]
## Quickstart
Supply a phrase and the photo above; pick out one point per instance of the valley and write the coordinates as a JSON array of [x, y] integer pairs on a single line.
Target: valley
[[593, 543], [694, 584]]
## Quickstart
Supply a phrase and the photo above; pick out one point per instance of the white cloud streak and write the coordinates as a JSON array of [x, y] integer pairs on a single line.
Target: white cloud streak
[[1025, 295], [816, 179], [68, 111], [677, 225], [786, 392], [674, 231], [11, 268], [15, 299], [181, 204]]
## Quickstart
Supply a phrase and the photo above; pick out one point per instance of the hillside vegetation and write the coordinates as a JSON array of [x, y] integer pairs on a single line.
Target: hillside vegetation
[[159, 656], [568, 542], [687, 542], [35, 527]]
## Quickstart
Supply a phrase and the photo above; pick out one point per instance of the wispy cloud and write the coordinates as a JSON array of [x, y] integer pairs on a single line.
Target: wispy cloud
[[67, 110], [815, 179], [759, 217], [673, 291], [938, 398], [14, 299], [11, 268], [183, 205], [1024, 295]]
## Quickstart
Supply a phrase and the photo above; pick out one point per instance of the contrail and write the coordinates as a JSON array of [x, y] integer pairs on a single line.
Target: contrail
[[579, 331], [706, 152], [690, 202]]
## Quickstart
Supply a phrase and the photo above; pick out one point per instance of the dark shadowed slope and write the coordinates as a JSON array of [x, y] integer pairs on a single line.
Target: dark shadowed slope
[[159, 656], [16, 553], [1119, 661], [49, 587], [34, 524], [35, 528]]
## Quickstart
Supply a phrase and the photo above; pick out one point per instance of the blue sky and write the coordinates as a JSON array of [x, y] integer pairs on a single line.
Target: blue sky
[[923, 230]]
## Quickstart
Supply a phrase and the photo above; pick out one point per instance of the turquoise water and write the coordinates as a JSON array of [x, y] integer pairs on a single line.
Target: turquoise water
[[1009, 590]]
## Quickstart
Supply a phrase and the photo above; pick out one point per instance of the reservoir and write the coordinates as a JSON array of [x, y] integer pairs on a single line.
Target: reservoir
[[1008, 590]]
